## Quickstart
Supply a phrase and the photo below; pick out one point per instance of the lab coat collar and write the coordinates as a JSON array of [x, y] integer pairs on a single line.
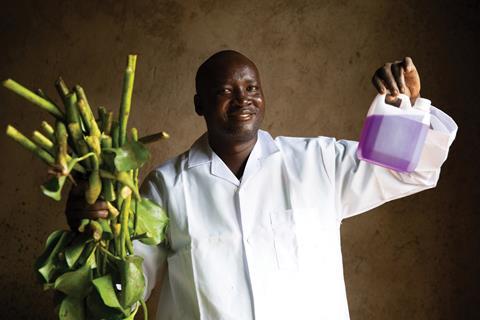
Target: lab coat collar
[[201, 153]]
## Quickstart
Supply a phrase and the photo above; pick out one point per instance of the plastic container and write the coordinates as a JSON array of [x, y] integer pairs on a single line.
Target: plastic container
[[394, 137]]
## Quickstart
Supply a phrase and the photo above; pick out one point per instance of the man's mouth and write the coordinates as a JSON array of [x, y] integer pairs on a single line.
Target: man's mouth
[[243, 114]]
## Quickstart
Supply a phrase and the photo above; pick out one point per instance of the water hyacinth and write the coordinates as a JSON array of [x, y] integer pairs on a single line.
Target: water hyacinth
[[94, 268]]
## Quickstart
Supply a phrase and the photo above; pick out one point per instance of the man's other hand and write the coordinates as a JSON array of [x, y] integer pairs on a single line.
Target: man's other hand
[[77, 207], [398, 77]]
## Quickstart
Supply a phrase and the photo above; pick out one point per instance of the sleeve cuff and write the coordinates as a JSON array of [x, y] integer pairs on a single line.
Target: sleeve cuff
[[440, 136]]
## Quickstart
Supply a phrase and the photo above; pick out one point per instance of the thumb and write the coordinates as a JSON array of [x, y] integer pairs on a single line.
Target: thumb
[[408, 65]]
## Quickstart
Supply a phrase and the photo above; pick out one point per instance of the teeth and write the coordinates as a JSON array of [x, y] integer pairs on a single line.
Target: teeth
[[243, 116]]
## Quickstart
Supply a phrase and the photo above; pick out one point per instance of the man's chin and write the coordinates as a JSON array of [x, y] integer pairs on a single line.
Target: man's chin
[[243, 134]]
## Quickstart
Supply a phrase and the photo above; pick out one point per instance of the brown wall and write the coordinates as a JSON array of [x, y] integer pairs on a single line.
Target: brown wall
[[413, 258]]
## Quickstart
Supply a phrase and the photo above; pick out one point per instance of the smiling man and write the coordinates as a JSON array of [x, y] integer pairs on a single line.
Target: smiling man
[[229, 96], [254, 227]]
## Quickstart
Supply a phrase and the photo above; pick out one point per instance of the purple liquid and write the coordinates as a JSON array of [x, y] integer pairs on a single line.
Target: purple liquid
[[394, 142]]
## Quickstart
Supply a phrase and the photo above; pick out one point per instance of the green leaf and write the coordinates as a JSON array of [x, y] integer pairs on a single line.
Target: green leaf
[[98, 310], [152, 222], [125, 178], [54, 264], [88, 255], [49, 245], [108, 160], [131, 155], [53, 187], [75, 249], [72, 309], [134, 312], [107, 233], [104, 286], [75, 283], [133, 281]]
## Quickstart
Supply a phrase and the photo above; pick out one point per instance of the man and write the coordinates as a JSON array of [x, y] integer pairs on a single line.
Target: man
[[254, 227]]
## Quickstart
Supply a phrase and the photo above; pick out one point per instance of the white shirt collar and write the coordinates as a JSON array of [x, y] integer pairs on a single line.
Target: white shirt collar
[[201, 153]]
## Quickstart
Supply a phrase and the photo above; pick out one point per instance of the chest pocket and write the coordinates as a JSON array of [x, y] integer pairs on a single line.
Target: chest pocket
[[303, 235], [284, 239]]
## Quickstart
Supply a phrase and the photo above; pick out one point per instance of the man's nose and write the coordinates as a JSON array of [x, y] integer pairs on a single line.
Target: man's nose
[[241, 97]]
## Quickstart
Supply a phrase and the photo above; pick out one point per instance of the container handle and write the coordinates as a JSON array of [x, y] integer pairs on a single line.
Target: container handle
[[405, 101], [380, 100]]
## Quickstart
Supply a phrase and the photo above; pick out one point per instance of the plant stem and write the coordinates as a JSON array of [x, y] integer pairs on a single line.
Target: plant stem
[[145, 310], [125, 105], [124, 213], [154, 137], [62, 145], [48, 129], [44, 95], [88, 118], [135, 181], [48, 145], [30, 145], [108, 191], [134, 133], [76, 134], [109, 254], [44, 142], [115, 134], [102, 116], [128, 242], [62, 88], [34, 98], [94, 187], [73, 115], [79, 144], [107, 126]]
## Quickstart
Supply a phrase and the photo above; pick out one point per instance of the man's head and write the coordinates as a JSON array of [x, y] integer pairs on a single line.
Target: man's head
[[229, 96]]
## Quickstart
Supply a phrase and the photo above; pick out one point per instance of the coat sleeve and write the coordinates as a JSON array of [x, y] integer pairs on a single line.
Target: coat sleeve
[[154, 257], [361, 186]]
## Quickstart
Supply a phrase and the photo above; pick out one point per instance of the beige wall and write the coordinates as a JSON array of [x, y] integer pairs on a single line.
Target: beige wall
[[414, 258]]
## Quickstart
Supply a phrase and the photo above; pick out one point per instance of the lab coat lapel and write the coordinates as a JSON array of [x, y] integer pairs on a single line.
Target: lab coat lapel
[[219, 169], [264, 147], [200, 153]]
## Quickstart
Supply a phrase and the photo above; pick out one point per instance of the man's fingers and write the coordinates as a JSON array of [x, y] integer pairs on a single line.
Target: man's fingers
[[386, 75], [74, 217], [408, 65], [81, 204], [378, 84], [85, 214], [398, 74]]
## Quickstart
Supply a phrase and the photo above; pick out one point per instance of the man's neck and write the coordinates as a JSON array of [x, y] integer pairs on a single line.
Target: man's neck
[[234, 153]]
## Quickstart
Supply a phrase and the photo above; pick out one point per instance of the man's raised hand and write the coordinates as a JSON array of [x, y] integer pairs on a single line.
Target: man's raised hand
[[397, 77]]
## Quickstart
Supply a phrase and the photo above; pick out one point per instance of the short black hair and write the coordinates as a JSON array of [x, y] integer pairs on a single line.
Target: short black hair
[[204, 70]]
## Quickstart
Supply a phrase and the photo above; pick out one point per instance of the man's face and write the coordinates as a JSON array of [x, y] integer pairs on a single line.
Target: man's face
[[232, 101]]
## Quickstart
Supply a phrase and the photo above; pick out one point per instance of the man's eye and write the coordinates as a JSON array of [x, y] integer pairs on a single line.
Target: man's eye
[[252, 88], [224, 91]]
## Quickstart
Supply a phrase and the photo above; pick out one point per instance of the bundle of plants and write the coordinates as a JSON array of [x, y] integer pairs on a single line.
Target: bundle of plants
[[94, 269]]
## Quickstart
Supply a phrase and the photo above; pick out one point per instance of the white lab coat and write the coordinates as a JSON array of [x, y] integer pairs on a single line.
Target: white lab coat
[[268, 246]]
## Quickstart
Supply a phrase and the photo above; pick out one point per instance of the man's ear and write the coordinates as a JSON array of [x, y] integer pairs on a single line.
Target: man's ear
[[198, 107]]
